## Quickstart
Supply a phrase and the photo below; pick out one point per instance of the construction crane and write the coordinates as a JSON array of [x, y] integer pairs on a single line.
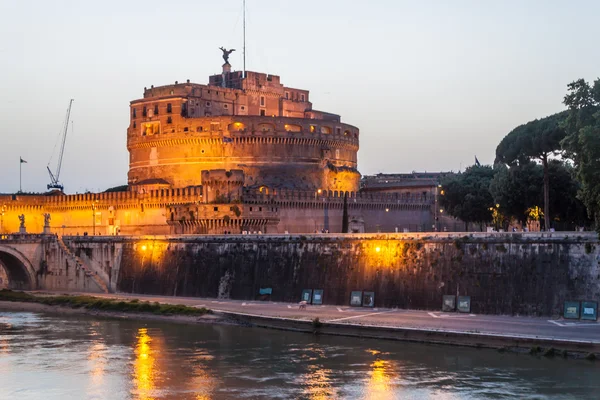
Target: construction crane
[[54, 182]]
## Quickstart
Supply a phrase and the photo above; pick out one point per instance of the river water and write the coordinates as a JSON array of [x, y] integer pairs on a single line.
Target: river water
[[47, 356]]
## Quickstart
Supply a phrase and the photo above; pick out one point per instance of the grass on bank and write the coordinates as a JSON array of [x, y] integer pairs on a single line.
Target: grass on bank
[[95, 303]]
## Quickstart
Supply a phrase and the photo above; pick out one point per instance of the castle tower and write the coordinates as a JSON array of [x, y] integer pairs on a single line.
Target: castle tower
[[251, 123]]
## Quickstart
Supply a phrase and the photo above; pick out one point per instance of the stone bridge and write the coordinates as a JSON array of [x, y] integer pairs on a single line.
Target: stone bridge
[[22, 258], [34, 261]]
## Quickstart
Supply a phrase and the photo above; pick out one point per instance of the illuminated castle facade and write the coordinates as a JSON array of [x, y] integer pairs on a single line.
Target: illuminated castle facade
[[253, 125], [242, 154]]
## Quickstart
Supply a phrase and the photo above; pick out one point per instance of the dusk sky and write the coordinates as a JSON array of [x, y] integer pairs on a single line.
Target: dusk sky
[[430, 84]]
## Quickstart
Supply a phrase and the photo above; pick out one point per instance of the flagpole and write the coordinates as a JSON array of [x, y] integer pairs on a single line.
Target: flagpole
[[244, 50], [20, 174]]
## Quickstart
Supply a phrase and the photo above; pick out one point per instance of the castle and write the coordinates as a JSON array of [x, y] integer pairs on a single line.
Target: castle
[[243, 154]]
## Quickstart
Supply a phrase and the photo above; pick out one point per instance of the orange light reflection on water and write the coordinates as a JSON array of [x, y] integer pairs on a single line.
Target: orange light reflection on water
[[97, 359], [318, 383], [144, 367], [202, 383], [379, 386]]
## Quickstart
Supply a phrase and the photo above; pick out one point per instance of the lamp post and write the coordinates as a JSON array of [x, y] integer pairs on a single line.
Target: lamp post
[[318, 192], [435, 208]]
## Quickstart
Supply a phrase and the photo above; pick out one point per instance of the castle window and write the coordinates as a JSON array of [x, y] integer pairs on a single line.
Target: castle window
[[226, 106], [338, 130], [185, 129], [287, 95], [199, 129], [243, 108], [169, 120], [134, 125], [250, 208], [263, 113], [313, 129], [259, 208], [262, 101], [156, 109], [216, 208], [302, 97], [169, 108], [133, 113], [145, 112], [208, 104]]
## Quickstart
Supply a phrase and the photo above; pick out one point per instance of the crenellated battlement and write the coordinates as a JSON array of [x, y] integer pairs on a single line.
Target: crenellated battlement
[[311, 199], [125, 199], [241, 128]]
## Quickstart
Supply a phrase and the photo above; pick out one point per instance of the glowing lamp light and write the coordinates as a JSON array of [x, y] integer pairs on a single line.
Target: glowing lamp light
[[387, 210], [319, 191], [144, 248], [377, 249]]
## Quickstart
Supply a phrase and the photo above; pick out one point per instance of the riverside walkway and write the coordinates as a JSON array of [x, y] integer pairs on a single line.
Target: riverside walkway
[[428, 321]]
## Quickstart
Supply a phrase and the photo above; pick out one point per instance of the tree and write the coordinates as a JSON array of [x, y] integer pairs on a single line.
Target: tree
[[536, 140], [565, 203], [582, 142], [466, 195], [517, 189]]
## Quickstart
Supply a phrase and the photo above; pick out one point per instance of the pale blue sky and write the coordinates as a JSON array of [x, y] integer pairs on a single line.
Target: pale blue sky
[[429, 83]]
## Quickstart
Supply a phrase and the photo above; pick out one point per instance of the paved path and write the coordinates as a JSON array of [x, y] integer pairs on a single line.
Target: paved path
[[587, 331]]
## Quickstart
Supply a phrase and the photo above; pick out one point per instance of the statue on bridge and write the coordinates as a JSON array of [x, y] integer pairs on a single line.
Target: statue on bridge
[[22, 228], [47, 219]]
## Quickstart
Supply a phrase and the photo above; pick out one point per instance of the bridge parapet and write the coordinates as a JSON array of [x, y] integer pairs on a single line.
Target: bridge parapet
[[24, 238]]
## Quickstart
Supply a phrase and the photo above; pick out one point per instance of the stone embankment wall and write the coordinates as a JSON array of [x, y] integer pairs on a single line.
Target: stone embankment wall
[[527, 274]]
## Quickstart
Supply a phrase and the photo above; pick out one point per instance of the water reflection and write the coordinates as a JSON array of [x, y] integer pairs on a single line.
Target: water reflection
[[318, 383], [144, 367], [381, 376], [64, 358], [202, 383], [97, 361]]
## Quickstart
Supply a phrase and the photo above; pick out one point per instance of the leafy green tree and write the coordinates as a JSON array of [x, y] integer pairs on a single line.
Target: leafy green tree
[[535, 140], [517, 188], [567, 208], [466, 195], [583, 141]]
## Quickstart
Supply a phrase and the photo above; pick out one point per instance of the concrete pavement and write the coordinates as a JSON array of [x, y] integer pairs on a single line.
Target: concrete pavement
[[505, 326]]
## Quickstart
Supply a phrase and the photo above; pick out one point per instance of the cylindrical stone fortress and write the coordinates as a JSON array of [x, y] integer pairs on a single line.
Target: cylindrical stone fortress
[[253, 124]]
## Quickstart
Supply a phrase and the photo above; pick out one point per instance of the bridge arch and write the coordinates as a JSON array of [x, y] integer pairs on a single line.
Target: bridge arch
[[21, 274]]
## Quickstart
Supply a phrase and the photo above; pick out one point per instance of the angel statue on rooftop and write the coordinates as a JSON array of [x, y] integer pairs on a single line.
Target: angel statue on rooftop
[[226, 54]]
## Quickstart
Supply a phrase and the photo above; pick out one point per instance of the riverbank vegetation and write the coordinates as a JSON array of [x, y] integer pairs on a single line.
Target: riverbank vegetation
[[95, 303]]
